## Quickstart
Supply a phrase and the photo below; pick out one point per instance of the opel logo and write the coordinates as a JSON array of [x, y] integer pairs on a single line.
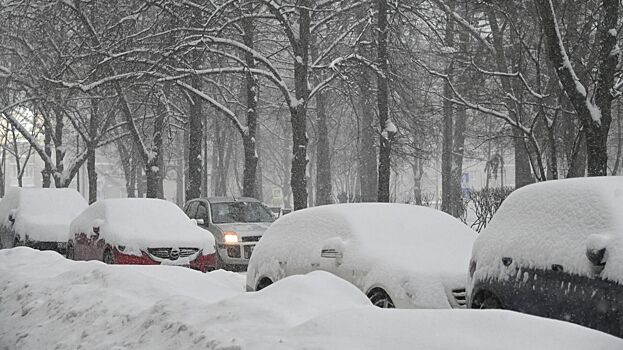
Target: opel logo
[[175, 253]]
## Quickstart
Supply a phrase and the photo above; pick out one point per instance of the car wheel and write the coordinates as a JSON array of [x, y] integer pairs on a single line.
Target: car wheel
[[108, 257], [69, 254], [380, 298], [263, 283], [487, 300]]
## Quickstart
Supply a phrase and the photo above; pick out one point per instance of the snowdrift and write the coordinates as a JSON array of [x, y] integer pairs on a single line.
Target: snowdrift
[[49, 302]]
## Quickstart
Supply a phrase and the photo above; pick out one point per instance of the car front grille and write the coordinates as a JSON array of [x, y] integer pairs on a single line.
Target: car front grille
[[165, 253], [459, 295], [250, 238]]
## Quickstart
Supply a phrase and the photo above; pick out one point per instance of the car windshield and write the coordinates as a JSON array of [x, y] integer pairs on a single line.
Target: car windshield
[[223, 213]]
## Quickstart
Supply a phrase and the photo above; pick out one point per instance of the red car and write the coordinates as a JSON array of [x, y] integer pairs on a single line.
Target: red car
[[140, 231]]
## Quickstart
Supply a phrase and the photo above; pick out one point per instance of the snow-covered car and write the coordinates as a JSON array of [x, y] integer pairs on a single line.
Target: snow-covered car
[[555, 249], [140, 231], [38, 217], [399, 255], [237, 224]]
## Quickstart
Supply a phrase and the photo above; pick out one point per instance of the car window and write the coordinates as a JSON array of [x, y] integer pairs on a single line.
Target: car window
[[191, 210], [202, 212], [240, 212]]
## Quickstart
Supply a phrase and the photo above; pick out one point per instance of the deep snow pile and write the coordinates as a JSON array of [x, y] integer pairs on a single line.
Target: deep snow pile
[[43, 214], [49, 302], [554, 222]]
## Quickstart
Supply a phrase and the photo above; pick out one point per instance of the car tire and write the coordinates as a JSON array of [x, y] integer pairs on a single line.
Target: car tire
[[70, 254], [108, 257], [380, 298], [263, 283]]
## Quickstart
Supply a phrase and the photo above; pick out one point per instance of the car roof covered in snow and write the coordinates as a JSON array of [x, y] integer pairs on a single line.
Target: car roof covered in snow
[[43, 214], [554, 222]]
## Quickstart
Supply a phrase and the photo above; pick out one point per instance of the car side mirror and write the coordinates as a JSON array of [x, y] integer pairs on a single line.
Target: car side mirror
[[199, 221]]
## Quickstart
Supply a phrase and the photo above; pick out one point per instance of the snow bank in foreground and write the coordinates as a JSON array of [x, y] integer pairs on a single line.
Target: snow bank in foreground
[[49, 302]]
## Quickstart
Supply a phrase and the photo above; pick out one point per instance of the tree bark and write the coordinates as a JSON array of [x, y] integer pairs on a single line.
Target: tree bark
[[298, 178], [249, 177], [368, 176], [387, 134], [91, 147], [195, 138], [446, 153]]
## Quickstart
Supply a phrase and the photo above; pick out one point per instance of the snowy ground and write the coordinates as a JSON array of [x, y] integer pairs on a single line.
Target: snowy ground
[[47, 302]]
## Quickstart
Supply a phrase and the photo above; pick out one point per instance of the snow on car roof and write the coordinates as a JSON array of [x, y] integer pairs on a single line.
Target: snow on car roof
[[552, 222], [142, 222], [49, 301], [43, 214], [416, 237]]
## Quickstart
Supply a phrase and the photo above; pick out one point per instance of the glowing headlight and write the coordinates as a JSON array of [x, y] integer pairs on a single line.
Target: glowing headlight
[[230, 237]]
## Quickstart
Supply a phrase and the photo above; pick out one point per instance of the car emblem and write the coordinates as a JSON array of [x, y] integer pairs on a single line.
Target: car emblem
[[175, 253]]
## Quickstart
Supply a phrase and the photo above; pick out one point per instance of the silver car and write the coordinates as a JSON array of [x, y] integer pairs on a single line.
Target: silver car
[[237, 224]]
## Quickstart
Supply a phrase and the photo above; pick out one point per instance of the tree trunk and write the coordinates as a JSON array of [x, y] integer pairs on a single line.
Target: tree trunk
[[457, 208], [387, 134], [91, 148], [195, 139], [368, 176], [298, 179], [446, 153], [47, 147], [323, 158], [418, 173], [249, 177], [59, 149]]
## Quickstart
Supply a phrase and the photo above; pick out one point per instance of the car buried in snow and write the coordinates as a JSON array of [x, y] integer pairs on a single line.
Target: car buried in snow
[[140, 231], [399, 255], [38, 217], [237, 224], [555, 249]]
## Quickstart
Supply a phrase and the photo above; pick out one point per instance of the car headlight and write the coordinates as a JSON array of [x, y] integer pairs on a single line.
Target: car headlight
[[230, 237]]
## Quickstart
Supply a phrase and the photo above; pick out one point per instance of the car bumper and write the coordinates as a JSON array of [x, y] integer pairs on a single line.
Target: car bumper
[[236, 255], [202, 263], [60, 247]]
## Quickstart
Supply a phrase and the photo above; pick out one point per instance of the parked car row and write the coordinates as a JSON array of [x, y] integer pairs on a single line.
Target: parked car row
[[553, 249]]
